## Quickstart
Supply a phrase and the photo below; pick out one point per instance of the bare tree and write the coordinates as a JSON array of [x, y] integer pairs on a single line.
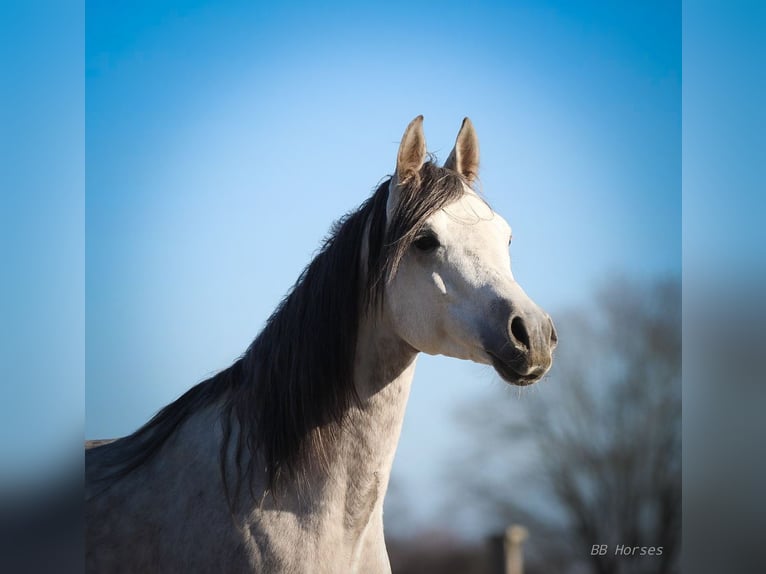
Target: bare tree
[[601, 439]]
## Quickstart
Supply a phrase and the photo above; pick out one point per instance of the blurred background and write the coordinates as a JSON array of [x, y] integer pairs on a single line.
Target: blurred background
[[223, 139]]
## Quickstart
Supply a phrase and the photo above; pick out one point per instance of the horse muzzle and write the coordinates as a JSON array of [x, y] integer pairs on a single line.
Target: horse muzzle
[[525, 354]]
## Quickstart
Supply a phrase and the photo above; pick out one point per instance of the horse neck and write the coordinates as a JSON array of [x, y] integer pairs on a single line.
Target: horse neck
[[383, 373], [384, 369]]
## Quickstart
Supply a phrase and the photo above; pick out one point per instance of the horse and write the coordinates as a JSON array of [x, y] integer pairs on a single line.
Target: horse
[[280, 463]]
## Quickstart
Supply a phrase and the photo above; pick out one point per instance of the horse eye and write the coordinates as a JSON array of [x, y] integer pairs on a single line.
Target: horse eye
[[426, 242]]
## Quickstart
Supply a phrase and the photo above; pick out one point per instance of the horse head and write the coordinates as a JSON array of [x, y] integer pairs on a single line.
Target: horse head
[[453, 292]]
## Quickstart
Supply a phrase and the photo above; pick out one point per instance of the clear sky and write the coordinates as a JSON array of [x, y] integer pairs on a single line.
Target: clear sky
[[223, 139]]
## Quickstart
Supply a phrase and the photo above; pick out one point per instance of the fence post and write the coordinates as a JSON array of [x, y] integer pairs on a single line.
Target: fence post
[[515, 536]]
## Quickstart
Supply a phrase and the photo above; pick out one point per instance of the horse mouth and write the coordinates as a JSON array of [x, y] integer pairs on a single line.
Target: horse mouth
[[510, 375]]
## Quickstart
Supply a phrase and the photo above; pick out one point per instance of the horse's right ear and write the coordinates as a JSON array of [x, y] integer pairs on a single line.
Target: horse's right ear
[[464, 158], [412, 151]]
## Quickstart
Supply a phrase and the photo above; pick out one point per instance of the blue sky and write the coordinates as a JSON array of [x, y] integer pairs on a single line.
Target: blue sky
[[223, 139], [723, 144]]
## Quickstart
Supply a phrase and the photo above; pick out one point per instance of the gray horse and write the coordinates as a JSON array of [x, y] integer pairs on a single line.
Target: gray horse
[[280, 463]]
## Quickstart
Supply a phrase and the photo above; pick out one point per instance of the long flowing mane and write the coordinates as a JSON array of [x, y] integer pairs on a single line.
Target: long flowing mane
[[286, 397]]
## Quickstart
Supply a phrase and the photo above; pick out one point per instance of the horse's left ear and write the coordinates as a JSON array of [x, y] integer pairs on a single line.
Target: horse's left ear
[[464, 158]]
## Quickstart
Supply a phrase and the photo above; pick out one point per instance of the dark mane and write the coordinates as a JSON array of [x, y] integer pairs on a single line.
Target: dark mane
[[289, 393]]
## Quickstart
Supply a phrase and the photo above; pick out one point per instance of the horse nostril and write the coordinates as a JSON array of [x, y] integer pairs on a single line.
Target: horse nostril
[[554, 335], [519, 332]]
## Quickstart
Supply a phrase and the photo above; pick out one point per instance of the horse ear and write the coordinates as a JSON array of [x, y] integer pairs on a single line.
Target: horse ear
[[412, 151], [464, 158]]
